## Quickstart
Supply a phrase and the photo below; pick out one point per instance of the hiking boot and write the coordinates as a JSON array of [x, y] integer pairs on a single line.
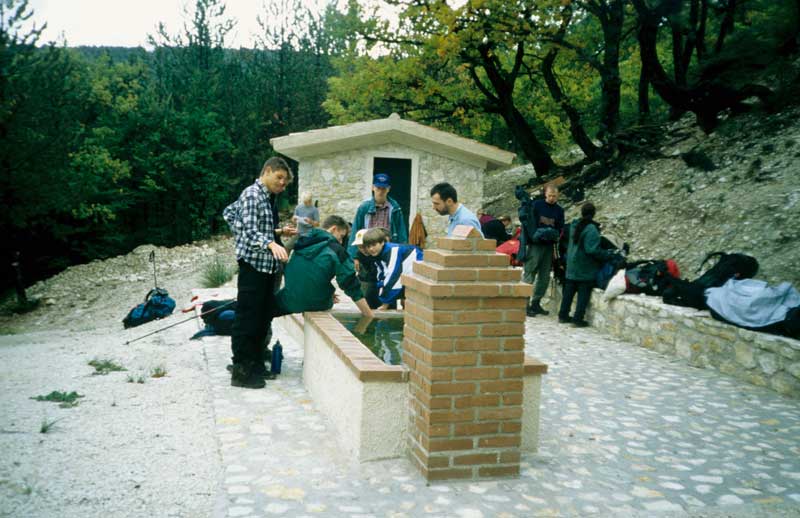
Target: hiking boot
[[537, 309], [245, 378], [263, 372], [580, 323], [564, 320]]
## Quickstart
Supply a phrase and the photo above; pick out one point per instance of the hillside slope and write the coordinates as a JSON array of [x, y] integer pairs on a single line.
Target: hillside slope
[[742, 195]]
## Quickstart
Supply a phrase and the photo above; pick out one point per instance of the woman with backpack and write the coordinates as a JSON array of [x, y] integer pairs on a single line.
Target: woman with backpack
[[584, 259]]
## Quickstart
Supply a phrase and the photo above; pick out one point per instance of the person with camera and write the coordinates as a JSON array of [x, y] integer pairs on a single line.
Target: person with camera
[[542, 223]]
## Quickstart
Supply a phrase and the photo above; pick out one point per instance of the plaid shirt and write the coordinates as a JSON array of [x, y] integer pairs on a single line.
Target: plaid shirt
[[381, 217], [251, 221]]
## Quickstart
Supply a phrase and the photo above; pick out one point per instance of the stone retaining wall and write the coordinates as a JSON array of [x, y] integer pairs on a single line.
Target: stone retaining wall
[[758, 358]]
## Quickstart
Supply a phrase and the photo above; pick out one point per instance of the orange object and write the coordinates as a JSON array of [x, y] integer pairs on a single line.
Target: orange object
[[417, 234]]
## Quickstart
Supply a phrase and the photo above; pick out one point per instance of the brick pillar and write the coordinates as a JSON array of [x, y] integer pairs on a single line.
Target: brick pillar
[[463, 344]]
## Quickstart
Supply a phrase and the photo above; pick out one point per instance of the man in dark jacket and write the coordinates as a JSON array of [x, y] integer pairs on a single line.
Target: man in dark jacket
[[541, 232], [317, 258], [380, 211]]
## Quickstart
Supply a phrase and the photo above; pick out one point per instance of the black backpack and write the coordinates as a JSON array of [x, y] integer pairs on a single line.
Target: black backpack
[[692, 294], [728, 266], [685, 293], [219, 315], [157, 304]]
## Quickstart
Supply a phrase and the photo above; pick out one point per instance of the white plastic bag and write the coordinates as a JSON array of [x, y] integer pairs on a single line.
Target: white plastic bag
[[616, 286]]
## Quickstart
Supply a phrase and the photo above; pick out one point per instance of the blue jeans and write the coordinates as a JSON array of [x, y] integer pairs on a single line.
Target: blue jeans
[[584, 290]]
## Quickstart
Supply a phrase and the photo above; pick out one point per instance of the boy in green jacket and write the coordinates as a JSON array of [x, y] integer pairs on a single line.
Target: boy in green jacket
[[317, 258]]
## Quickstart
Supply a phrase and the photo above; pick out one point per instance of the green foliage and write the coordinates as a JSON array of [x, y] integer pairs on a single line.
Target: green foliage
[[158, 372], [445, 65], [103, 367], [216, 274], [140, 378], [48, 425], [65, 399], [102, 150]]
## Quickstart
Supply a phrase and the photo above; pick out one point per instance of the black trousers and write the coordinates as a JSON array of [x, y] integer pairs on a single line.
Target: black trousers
[[584, 290], [255, 307]]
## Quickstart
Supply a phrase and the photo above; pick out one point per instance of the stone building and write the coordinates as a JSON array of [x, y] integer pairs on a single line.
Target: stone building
[[336, 165]]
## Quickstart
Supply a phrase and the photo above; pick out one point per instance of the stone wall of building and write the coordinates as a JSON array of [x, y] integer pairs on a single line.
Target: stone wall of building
[[340, 181], [759, 358]]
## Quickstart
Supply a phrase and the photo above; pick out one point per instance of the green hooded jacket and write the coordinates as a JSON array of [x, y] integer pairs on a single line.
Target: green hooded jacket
[[316, 259], [585, 257]]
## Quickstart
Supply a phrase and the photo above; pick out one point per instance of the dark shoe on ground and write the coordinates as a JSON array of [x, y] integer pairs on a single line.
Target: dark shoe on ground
[[261, 370], [564, 320], [245, 378], [538, 309], [530, 311], [580, 323]]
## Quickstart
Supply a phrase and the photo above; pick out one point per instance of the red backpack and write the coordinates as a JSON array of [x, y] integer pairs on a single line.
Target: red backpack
[[651, 276]]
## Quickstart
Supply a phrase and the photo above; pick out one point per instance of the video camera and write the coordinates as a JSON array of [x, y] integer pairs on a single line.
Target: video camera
[[525, 212]]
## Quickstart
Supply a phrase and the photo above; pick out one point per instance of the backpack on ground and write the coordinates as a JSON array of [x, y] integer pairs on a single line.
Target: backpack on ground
[[684, 293], [651, 276], [219, 315], [739, 266], [692, 294], [157, 304]]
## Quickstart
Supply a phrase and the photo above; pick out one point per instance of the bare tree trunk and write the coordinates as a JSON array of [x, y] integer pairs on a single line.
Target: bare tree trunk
[[726, 27], [611, 19], [576, 128], [700, 43], [705, 99], [644, 96], [501, 101]]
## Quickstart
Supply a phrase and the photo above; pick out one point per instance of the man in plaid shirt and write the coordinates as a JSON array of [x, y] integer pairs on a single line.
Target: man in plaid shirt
[[253, 220]]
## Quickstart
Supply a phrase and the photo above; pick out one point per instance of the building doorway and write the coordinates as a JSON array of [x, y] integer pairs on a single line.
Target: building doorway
[[399, 170]]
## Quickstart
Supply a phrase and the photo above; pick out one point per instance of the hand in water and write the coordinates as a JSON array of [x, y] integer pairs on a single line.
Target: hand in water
[[362, 325]]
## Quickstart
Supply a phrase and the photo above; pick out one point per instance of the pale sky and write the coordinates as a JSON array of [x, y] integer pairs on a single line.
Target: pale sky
[[127, 23]]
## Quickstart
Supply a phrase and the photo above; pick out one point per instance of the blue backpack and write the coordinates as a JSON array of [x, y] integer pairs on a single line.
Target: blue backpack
[[157, 304]]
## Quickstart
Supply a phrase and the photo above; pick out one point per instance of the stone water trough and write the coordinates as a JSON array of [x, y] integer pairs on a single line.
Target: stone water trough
[[466, 406]]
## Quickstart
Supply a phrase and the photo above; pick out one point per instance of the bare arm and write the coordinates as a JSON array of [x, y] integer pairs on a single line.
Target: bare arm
[[362, 306]]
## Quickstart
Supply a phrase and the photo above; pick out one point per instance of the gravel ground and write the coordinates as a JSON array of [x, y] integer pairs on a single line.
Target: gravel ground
[[135, 445]]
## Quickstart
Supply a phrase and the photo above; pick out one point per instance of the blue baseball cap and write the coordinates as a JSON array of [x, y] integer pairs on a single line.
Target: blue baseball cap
[[381, 180]]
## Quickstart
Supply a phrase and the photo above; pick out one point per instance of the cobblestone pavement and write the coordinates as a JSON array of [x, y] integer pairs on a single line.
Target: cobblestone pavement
[[624, 432]]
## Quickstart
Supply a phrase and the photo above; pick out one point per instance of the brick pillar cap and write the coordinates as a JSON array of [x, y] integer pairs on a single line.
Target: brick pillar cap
[[465, 231]]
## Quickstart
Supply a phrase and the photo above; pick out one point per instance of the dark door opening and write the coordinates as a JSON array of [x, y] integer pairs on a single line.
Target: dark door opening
[[399, 170]]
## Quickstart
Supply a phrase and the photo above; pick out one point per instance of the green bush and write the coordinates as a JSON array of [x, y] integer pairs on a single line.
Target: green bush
[[216, 274], [103, 367], [65, 399]]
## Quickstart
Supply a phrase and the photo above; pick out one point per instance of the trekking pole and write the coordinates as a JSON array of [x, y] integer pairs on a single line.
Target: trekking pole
[[181, 322], [152, 259]]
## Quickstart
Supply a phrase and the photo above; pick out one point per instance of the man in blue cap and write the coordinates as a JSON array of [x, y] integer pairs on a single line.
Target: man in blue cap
[[378, 211]]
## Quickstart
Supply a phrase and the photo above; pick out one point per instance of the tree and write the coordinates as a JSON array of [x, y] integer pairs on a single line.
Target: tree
[[711, 91]]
